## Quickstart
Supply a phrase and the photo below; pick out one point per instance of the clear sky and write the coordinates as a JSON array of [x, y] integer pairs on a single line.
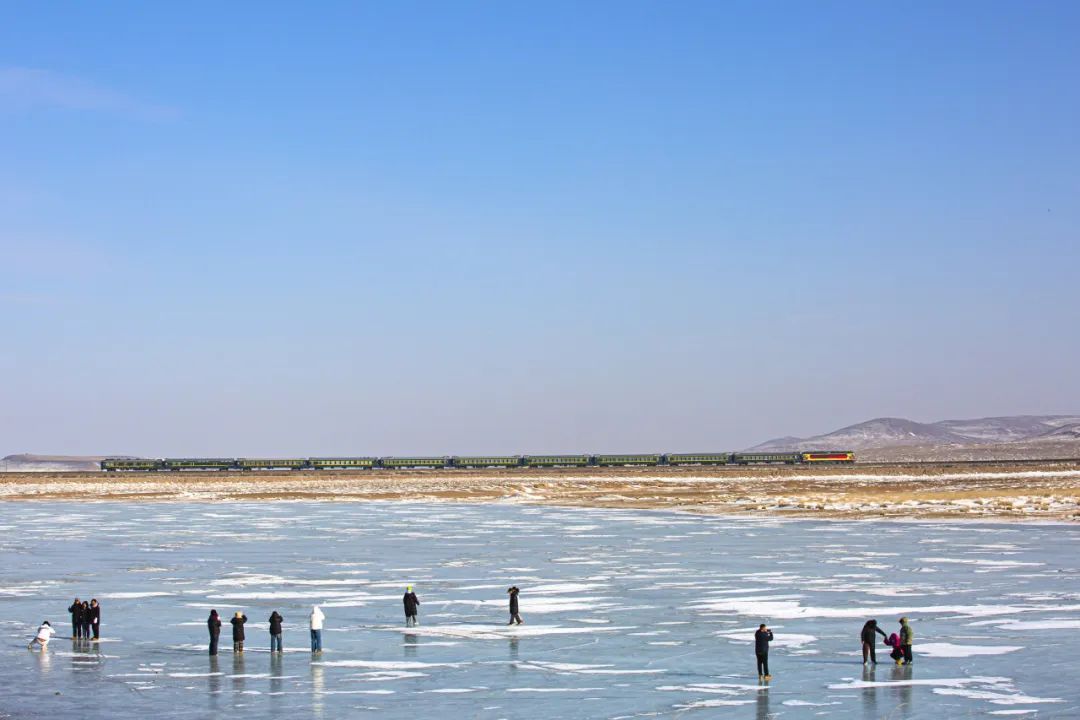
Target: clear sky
[[454, 227]]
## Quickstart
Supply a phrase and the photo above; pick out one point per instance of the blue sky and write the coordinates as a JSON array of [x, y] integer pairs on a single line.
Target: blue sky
[[393, 228]]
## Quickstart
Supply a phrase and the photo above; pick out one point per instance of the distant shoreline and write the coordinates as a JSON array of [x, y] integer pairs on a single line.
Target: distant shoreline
[[1046, 491]]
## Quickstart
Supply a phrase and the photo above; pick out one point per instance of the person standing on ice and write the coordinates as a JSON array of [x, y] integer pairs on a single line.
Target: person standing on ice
[[907, 637], [275, 631], [95, 618], [238, 632], [213, 624], [870, 631], [515, 616], [86, 612], [42, 638], [411, 603], [762, 638], [315, 622], [76, 619]]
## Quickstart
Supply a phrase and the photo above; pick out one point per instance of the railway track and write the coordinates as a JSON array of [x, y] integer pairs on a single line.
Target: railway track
[[718, 470]]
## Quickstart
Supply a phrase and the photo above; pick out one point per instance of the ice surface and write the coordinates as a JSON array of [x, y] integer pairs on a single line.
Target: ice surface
[[628, 614]]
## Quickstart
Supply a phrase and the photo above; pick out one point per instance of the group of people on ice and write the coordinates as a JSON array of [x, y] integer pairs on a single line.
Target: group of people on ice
[[86, 619], [85, 624], [315, 623], [275, 621], [899, 642]]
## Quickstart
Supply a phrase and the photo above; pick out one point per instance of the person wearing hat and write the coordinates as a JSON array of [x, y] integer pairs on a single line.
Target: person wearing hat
[[515, 616], [907, 636], [238, 631], [411, 603]]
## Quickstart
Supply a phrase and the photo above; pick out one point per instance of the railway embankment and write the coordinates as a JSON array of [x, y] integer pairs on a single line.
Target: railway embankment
[[1041, 490]]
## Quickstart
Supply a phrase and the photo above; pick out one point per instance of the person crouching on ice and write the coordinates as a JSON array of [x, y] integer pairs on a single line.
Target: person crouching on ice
[[411, 603], [897, 654], [42, 638]]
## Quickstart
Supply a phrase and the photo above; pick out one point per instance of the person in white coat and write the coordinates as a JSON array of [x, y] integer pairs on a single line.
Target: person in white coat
[[42, 638], [316, 624]]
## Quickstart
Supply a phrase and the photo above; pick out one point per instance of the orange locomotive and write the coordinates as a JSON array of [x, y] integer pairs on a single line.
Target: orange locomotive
[[834, 456]]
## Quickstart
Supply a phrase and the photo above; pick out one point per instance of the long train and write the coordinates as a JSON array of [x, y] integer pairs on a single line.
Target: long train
[[815, 457]]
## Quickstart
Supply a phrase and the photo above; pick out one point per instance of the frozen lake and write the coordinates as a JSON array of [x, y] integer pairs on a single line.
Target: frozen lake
[[628, 613]]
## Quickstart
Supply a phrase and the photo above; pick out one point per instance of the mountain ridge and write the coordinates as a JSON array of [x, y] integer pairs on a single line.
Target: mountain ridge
[[893, 432]]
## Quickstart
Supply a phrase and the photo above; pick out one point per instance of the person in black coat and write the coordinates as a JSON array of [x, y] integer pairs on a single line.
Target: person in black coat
[[275, 631], [238, 631], [515, 617], [76, 619], [762, 638], [95, 618], [411, 604], [213, 624], [869, 638], [86, 620]]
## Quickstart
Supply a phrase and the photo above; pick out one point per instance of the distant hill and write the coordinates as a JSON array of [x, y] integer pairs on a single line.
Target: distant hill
[[50, 463], [899, 432], [1065, 432]]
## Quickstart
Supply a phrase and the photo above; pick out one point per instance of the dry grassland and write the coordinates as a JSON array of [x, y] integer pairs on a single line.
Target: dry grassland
[[1044, 491]]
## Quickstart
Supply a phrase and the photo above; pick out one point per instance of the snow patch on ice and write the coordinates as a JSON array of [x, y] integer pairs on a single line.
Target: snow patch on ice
[[583, 669], [502, 632], [949, 650]]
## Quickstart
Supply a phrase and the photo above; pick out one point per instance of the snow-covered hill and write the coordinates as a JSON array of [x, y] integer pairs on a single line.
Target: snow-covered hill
[[898, 432]]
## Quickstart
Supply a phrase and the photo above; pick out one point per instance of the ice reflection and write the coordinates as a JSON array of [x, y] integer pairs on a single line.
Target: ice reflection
[[318, 687], [762, 705]]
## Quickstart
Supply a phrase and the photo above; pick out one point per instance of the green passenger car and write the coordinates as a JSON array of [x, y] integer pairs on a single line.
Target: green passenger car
[[485, 461], [626, 460], [198, 464], [271, 463], [343, 463], [764, 458], [401, 463], [699, 459], [557, 460], [130, 464]]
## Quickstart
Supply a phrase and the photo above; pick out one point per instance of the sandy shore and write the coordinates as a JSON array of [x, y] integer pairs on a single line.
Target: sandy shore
[[1043, 491]]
